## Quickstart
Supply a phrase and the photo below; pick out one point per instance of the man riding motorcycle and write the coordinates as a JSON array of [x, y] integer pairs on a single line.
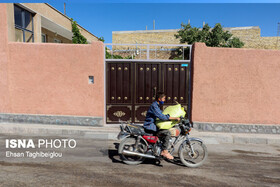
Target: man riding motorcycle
[[153, 113]]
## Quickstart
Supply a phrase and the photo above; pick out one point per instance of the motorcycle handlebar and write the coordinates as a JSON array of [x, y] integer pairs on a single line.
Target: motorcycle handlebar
[[184, 121]]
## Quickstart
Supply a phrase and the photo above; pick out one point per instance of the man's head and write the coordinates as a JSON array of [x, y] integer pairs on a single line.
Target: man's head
[[160, 97]]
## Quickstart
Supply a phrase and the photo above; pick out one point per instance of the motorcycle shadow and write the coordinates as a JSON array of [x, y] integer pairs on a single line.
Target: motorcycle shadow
[[114, 156]]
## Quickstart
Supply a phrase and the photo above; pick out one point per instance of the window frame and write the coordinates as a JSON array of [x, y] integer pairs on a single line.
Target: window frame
[[23, 23], [57, 41], [45, 36]]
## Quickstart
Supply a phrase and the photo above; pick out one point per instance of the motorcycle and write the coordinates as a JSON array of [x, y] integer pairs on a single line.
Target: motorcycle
[[136, 145]]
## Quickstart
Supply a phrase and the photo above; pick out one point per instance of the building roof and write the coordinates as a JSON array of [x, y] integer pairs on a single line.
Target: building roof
[[70, 19]]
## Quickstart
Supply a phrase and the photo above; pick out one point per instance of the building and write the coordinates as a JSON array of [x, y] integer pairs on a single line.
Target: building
[[41, 23], [251, 36]]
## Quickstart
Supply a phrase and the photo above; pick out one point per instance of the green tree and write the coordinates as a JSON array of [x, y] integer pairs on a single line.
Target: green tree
[[109, 55], [77, 38], [215, 37], [101, 39]]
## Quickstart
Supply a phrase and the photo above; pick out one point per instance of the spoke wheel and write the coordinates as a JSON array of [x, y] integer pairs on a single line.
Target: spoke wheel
[[129, 144], [195, 158]]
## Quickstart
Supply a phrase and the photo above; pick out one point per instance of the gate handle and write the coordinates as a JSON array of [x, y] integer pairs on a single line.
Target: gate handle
[[155, 91]]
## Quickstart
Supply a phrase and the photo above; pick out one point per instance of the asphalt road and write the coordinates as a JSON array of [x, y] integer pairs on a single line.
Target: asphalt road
[[96, 163]]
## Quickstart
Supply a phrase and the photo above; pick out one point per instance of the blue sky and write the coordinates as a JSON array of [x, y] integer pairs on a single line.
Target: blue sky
[[102, 17]]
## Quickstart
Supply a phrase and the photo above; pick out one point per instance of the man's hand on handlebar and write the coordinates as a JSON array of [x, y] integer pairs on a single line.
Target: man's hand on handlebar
[[174, 118]]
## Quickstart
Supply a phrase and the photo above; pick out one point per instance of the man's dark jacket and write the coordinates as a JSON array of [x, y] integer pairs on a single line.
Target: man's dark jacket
[[153, 113]]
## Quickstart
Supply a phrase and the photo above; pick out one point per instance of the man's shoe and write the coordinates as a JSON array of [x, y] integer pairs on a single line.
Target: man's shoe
[[167, 155]]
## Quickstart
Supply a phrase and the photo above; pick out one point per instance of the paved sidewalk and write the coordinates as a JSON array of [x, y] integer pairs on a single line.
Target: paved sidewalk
[[111, 132]]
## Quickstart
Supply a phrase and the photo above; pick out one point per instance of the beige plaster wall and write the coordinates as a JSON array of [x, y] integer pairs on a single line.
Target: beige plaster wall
[[4, 57], [54, 79], [50, 79], [236, 85]]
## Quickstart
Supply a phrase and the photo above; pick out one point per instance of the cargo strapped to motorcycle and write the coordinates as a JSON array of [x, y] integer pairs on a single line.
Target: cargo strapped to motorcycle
[[134, 130]]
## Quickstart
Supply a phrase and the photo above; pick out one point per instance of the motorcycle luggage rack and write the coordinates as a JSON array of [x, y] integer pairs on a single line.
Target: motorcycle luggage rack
[[126, 127]]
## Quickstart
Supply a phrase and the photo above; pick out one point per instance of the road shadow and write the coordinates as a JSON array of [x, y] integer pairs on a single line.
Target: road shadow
[[175, 161]]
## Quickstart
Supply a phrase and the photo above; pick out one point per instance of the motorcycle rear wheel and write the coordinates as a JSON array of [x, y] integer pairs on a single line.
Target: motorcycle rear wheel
[[129, 144], [196, 159]]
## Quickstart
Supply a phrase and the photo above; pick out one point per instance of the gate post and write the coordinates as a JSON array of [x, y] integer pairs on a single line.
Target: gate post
[[190, 91], [148, 52]]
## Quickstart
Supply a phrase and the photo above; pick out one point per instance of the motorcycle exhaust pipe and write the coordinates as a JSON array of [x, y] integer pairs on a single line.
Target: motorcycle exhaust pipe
[[130, 153]]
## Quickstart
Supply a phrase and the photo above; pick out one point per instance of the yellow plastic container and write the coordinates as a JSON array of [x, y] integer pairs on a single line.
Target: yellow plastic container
[[173, 111]]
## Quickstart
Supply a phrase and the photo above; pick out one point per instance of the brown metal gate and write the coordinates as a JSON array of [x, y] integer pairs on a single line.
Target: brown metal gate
[[131, 87]]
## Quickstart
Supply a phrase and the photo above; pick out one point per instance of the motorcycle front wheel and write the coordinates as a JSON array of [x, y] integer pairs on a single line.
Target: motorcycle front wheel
[[129, 144], [195, 158]]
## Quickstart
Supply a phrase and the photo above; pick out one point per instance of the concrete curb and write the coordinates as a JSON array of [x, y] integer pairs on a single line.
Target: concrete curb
[[110, 132], [238, 128], [51, 119]]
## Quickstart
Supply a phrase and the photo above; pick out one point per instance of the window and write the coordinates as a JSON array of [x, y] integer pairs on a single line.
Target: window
[[44, 38], [23, 25], [57, 41], [90, 79]]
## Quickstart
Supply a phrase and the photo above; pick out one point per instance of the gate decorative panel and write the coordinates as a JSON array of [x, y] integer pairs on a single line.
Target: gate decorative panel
[[118, 113], [140, 113]]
